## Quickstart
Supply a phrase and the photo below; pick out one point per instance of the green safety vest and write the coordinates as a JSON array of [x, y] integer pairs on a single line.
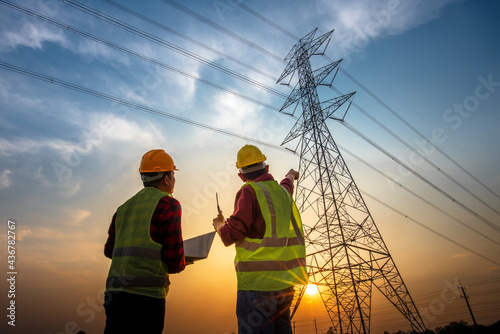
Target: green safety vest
[[136, 265], [277, 261]]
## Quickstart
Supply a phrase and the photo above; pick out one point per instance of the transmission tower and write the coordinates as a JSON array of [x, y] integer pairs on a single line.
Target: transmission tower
[[346, 255]]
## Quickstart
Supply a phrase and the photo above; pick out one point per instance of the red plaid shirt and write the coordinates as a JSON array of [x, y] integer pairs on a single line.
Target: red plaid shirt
[[165, 229]]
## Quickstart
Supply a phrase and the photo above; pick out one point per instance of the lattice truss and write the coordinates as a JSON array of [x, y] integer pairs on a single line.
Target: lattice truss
[[346, 254]]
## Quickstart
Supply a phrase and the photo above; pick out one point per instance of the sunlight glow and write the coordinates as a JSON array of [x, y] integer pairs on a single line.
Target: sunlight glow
[[311, 289]]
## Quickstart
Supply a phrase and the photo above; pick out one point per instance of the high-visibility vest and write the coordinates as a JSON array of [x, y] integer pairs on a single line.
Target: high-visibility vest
[[277, 261], [136, 265]]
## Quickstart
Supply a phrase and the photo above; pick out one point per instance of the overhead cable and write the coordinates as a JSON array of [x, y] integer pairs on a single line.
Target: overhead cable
[[392, 111], [127, 103], [419, 176], [184, 36], [220, 28], [427, 140], [266, 20], [133, 53], [433, 231], [138, 106], [157, 40], [423, 157], [366, 163]]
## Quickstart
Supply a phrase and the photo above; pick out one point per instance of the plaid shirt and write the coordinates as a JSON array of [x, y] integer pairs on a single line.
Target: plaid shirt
[[165, 229]]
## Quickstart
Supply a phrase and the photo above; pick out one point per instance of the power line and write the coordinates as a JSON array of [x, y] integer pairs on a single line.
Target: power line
[[429, 229], [133, 53], [241, 137], [134, 105], [392, 111], [121, 24], [418, 196], [383, 104], [253, 45], [419, 176], [157, 40], [123, 49], [67, 27], [408, 146], [184, 36], [84, 90], [266, 20], [427, 140], [225, 31]]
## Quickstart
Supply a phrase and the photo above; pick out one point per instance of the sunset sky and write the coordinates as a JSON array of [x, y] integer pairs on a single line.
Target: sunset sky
[[202, 78]]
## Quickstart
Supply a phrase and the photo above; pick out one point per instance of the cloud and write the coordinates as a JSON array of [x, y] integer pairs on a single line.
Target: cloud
[[20, 145], [233, 113], [5, 179], [40, 232], [100, 127], [357, 23], [74, 217], [229, 112], [461, 255], [68, 189], [22, 234], [14, 96], [122, 130], [32, 36]]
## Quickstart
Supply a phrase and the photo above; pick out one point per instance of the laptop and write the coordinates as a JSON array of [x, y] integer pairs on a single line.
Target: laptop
[[197, 248]]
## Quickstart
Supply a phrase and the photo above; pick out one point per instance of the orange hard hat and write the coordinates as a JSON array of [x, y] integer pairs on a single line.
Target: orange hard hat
[[156, 161]]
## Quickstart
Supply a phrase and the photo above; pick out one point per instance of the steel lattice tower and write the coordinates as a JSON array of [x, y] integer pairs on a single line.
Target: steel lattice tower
[[346, 253]]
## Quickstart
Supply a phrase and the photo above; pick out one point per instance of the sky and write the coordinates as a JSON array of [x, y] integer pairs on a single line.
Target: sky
[[84, 98]]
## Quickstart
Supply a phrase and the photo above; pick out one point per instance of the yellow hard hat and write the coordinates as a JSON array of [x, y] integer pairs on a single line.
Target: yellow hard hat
[[249, 155], [156, 161]]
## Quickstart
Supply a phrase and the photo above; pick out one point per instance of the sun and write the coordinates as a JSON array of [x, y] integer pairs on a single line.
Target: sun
[[311, 289]]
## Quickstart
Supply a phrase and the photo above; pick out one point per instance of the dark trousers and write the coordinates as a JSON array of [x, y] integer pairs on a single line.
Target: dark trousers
[[264, 312], [133, 314]]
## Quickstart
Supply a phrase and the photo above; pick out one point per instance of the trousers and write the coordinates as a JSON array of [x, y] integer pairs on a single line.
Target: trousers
[[132, 314], [264, 312]]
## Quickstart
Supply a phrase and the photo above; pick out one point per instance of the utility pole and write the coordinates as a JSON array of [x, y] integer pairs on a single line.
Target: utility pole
[[346, 254], [315, 326], [461, 287], [294, 327]]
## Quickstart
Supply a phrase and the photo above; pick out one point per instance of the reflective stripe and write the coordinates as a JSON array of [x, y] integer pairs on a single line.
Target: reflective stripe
[[271, 208], [136, 282], [276, 261], [136, 265], [270, 242], [269, 265], [296, 228], [298, 232], [274, 241], [147, 253]]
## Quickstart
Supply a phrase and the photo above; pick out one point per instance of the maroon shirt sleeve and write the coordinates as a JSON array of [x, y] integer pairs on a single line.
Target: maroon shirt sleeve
[[165, 229], [247, 219], [288, 184]]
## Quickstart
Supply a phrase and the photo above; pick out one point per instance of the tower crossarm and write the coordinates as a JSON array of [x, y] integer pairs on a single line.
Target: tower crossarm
[[321, 73], [304, 49]]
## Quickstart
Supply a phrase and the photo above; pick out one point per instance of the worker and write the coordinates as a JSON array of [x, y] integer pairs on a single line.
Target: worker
[[266, 229], [145, 245]]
